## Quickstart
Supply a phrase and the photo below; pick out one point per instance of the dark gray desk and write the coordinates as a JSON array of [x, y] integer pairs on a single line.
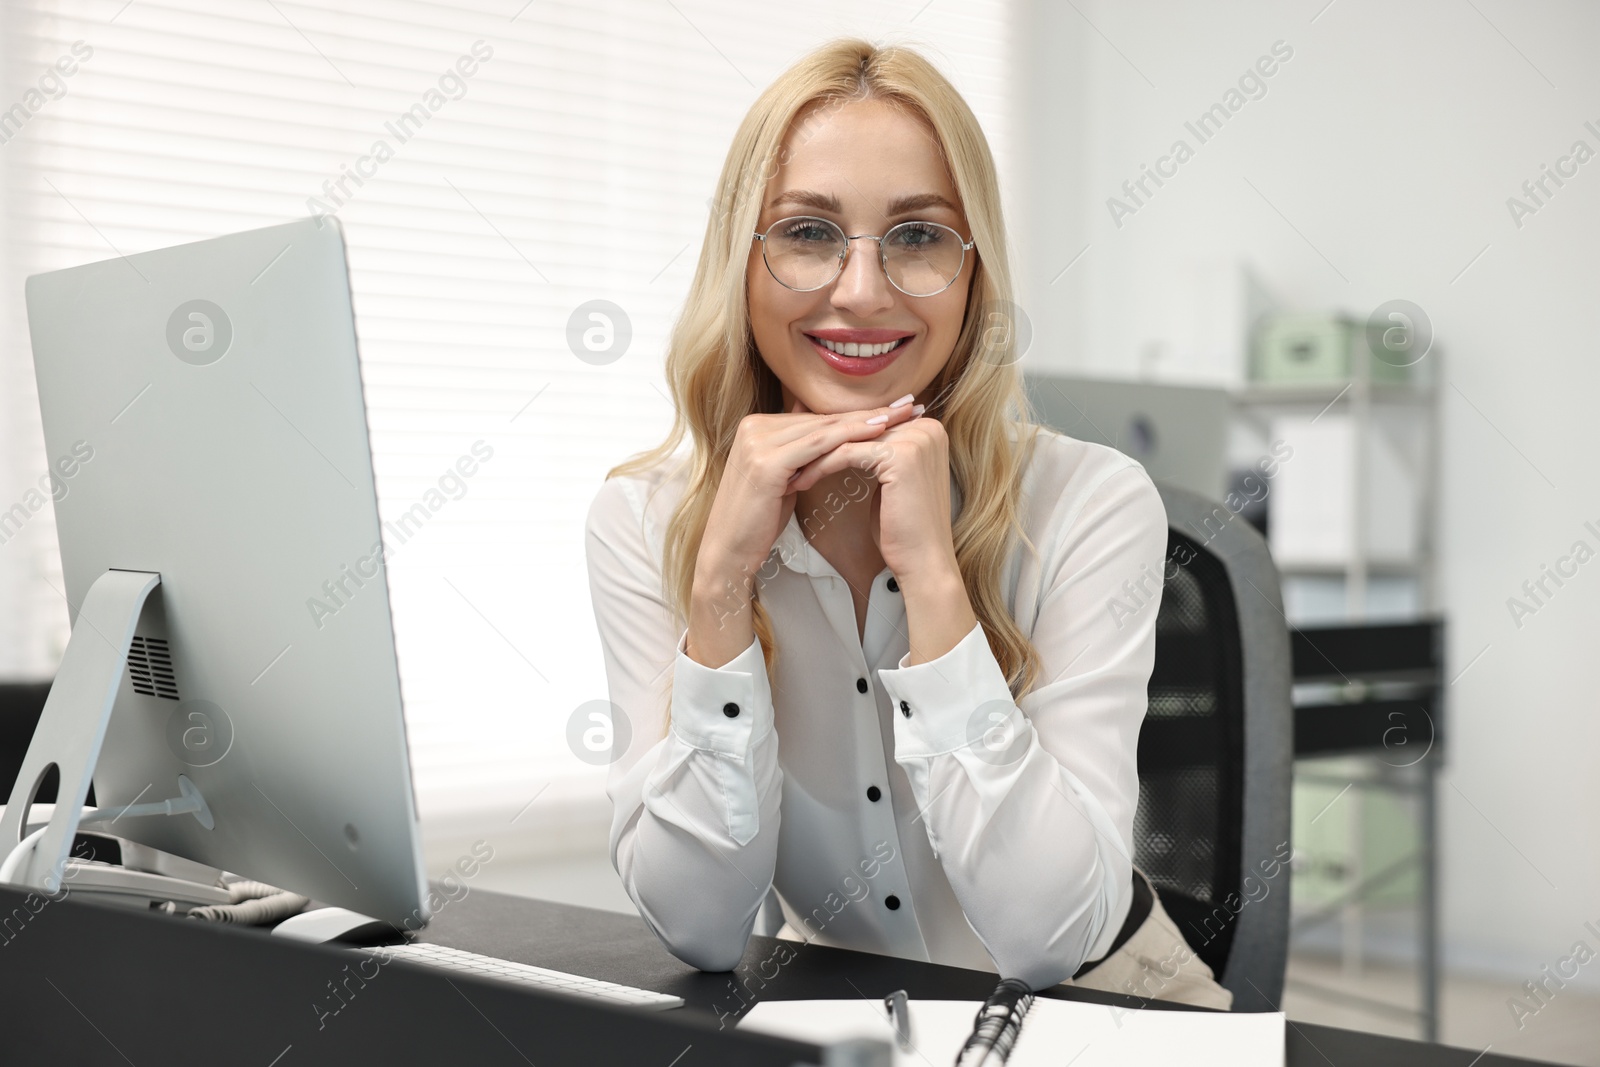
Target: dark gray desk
[[621, 948], [87, 984]]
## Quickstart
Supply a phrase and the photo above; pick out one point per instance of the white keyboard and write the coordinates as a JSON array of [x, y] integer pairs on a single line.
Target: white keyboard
[[471, 963]]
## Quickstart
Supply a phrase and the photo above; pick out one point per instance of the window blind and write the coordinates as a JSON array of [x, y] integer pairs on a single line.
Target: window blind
[[494, 165]]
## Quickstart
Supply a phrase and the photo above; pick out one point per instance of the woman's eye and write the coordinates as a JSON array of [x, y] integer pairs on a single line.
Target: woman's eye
[[918, 236], [808, 233]]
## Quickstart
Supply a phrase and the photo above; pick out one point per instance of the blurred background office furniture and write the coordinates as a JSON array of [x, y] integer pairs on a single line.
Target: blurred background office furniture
[[1352, 515], [1351, 440], [1352, 520], [1216, 749], [1374, 692], [1178, 432], [1331, 453]]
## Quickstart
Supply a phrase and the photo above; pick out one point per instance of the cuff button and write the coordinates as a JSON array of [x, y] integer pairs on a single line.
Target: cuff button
[[731, 710]]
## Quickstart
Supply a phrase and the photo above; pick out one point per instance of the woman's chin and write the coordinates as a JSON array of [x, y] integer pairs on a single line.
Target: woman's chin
[[827, 399]]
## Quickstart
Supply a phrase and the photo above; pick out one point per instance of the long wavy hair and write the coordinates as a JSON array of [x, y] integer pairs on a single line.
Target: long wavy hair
[[717, 375]]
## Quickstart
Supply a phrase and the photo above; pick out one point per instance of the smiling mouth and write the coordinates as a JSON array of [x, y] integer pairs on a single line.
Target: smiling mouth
[[858, 351]]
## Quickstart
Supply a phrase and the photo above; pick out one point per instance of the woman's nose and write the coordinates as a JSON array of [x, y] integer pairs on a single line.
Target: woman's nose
[[862, 286]]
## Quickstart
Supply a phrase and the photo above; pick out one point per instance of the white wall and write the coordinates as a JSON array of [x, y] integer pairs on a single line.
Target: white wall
[[1390, 140]]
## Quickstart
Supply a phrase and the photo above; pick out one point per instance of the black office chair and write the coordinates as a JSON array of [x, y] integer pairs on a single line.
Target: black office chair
[[21, 704], [1216, 751]]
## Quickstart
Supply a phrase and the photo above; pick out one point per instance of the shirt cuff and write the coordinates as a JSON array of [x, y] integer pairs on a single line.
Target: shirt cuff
[[727, 709], [951, 702]]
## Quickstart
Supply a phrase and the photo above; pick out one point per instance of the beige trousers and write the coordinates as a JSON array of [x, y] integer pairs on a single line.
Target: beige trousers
[[1157, 963]]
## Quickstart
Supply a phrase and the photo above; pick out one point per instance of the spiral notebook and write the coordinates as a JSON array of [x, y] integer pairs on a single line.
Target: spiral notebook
[[1055, 1032]]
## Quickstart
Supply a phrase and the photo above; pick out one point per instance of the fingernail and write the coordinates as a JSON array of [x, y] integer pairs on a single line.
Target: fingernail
[[903, 401], [877, 419], [918, 410]]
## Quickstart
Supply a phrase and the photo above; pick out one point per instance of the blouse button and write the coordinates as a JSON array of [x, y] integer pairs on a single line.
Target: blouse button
[[731, 710], [894, 586], [891, 902], [873, 793], [905, 709], [861, 685]]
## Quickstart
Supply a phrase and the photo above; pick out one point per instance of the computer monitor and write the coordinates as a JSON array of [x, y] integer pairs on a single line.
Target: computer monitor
[[231, 645], [1179, 433]]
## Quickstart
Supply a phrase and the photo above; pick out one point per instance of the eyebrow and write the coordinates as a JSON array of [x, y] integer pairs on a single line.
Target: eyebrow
[[900, 205]]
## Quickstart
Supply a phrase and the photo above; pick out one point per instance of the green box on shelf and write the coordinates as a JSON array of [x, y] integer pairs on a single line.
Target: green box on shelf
[[1345, 835], [1315, 348]]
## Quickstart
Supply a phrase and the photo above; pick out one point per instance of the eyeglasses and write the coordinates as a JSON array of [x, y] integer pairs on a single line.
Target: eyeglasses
[[805, 253]]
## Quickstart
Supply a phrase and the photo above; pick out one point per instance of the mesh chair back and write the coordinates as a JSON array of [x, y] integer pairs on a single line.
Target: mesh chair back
[[1212, 827], [1191, 749]]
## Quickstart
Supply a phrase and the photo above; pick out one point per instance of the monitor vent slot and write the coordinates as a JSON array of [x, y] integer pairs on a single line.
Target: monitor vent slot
[[150, 666]]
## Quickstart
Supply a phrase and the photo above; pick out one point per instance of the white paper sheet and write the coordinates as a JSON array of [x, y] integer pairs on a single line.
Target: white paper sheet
[[1055, 1033]]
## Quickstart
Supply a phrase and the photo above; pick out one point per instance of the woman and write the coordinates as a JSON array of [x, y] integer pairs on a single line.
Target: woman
[[861, 629]]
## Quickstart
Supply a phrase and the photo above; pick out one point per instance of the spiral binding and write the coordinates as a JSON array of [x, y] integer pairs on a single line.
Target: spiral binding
[[997, 1025]]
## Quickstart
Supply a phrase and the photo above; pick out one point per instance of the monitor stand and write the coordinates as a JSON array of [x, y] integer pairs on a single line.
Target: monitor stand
[[145, 878], [70, 733]]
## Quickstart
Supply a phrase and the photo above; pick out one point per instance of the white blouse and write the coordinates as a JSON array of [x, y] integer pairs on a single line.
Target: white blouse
[[914, 811]]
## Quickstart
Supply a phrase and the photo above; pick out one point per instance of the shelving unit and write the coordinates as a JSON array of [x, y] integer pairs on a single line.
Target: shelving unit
[[1409, 413], [1361, 400]]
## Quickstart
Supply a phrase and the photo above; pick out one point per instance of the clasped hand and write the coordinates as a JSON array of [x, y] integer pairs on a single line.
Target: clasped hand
[[910, 462]]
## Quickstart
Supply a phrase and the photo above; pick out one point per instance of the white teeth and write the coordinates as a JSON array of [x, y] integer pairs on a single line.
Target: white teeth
[[853, 349]]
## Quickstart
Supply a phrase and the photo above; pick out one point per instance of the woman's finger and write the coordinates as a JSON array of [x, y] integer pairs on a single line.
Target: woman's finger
[[804, 439], [796, 425], [866, 455]]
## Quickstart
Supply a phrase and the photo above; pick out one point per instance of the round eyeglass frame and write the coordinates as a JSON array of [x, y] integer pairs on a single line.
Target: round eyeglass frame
[[883, 260]]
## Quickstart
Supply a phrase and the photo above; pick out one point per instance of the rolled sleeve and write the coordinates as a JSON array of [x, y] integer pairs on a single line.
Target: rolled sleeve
[[936, 702]]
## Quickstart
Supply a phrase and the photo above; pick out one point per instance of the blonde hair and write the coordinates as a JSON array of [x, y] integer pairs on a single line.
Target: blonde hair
[[717, 375]]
